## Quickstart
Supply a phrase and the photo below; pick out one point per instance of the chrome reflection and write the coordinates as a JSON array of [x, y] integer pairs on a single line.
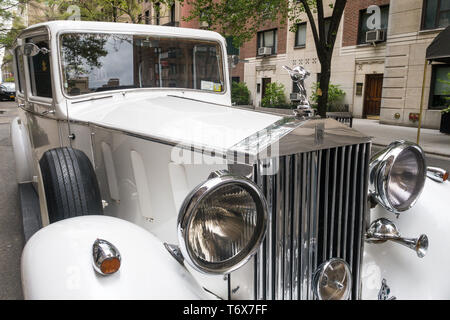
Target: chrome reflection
[[397, 176], [222, 223], [333, 280], [382, 230], [437, 174], [106, 257]]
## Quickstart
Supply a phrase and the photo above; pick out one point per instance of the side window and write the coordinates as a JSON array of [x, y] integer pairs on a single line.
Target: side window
[[20, 69], [39, 68]]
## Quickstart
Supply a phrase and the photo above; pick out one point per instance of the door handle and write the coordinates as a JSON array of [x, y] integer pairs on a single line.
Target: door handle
[[46, 112]]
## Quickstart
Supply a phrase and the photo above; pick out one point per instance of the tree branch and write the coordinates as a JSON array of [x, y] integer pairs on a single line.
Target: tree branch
[[321, 21], [338, 11], [313, 24]]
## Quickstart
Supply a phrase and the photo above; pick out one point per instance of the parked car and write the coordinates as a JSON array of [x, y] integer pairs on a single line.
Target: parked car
[[7, 91], [138, 179]]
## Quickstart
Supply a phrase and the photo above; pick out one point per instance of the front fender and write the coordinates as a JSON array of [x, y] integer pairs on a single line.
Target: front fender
[[408, 276], [57, 264], [22, 151]]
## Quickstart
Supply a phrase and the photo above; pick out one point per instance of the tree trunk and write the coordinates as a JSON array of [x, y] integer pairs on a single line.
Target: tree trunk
[[324, 81]]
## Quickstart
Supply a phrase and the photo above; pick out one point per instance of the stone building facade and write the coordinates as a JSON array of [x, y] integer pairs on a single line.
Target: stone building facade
[[413, 26], [381, 80]]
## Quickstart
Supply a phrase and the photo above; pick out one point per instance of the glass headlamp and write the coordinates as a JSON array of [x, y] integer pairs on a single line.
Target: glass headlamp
[[222, 223], [397, 176]]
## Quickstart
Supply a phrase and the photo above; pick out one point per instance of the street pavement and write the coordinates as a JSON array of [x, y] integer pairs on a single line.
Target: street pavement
[[11, 230], [435, 144]]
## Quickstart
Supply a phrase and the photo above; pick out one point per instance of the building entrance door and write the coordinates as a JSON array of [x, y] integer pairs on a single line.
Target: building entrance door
[[265, 82], [372, 95]]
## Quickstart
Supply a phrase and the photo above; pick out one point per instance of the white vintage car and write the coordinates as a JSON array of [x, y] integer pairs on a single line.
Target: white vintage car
[[139, 180]]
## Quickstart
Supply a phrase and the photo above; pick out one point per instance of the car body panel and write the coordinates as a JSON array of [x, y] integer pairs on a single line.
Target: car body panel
[[176, 119], [408, 276], [63, 269]]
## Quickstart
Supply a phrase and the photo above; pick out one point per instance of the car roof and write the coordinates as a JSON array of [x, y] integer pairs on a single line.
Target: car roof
[[95, 26]]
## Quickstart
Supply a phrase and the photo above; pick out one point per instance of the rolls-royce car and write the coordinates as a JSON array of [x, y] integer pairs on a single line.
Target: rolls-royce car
[[7, 91], [138, 179]]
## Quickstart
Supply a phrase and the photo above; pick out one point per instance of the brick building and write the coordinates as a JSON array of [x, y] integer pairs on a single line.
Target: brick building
[[381, 80]]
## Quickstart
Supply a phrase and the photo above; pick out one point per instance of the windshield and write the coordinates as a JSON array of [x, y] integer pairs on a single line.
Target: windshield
[[100, 62], [9, 86]]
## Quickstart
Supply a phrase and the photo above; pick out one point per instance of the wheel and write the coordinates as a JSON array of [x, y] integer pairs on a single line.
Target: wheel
[[70, 184]]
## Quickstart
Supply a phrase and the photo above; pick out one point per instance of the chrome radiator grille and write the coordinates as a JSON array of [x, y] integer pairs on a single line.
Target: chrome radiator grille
[[317, 204]]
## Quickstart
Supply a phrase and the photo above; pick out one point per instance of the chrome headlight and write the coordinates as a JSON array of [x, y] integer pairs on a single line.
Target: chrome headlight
[[222, 223], [397, 176], [333, 280]]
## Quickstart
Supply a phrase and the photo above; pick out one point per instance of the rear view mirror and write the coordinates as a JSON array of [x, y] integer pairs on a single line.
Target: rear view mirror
[[30, 50]]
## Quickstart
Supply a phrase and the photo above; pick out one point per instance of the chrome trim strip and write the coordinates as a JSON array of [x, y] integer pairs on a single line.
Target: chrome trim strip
[[325, 210], [333, 203], [279, 238], [364, 217], [347, 195], [296, 229], [269, 243], [305, 234], [287, 227], [356, 165], [339, 218]]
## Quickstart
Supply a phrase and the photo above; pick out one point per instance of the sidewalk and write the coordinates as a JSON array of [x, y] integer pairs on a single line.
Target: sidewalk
[[432, 141]]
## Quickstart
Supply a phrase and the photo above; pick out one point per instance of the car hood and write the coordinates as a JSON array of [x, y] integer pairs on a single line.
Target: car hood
[[176, 120]]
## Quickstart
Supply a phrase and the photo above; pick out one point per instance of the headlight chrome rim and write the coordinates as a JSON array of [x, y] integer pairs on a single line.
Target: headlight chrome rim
[[187, 213], [322, 280], [381, 166]]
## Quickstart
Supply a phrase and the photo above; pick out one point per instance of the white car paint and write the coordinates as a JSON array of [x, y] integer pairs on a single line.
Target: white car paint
[[408, 276], [22, 151], [176, 119], [57, 264]]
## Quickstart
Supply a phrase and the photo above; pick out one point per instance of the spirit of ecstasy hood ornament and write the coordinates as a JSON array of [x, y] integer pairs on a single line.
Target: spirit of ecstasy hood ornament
[[298, 75]]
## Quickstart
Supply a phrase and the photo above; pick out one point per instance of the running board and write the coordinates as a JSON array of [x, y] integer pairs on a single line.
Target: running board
[[30, 208]]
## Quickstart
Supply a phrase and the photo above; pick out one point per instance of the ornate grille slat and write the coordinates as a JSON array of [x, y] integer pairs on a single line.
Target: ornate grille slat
[[317, 204]]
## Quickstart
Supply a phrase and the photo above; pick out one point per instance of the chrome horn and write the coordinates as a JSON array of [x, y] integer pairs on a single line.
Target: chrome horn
[[382, 230], [437, 174]]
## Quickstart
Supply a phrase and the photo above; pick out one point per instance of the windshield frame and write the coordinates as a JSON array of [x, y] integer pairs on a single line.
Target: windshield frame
[[160, 34]]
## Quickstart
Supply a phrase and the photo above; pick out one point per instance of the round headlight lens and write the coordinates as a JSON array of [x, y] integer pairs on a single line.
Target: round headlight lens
[[333, 280], [222, 223], [405, 179], [397, 176]]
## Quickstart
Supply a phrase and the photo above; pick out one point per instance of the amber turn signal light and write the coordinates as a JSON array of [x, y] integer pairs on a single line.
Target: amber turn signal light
[[110, 265], [106, 257]]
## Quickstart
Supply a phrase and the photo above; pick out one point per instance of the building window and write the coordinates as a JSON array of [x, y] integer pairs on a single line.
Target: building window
[[436, 14], [300, 35], [268, 39], [364, 16], [157, 12], [231, 49], [147, 17], [172, 13], [440, 87], [235, 79]]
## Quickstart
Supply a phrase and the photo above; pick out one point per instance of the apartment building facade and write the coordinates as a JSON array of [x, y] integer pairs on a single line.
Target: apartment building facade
[[381, 79]]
